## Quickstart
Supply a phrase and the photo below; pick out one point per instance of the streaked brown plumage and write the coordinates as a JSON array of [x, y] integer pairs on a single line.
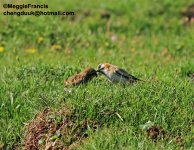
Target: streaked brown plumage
[[82, 77]]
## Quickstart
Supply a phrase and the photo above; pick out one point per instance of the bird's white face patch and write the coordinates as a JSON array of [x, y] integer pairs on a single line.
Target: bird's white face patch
[[99, 67]]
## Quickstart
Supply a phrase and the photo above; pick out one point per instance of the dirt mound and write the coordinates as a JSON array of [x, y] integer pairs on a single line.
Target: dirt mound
[[55, 130], [155, 133]]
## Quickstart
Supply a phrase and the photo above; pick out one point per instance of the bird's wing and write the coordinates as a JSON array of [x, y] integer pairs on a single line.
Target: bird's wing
[[125, 74]]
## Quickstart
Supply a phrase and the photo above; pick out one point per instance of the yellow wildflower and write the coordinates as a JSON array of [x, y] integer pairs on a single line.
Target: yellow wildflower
[[31, 50], [40, 39], [56, 47], [1, 49]]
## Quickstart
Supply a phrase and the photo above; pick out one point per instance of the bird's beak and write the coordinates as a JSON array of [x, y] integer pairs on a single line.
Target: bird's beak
[[99, 70]]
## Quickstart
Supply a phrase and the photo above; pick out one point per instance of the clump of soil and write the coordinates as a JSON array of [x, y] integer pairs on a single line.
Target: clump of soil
[[105, 15], [179, 140], [189, 13], [55, 130], [155, 133], [191, 75]]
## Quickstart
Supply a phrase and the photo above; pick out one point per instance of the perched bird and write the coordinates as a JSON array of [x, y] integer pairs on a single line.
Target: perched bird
[[82, 77], [116, 74]]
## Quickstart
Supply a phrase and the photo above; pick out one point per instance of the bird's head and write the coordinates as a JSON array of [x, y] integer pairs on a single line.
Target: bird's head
[[103, 68], [90, 71]]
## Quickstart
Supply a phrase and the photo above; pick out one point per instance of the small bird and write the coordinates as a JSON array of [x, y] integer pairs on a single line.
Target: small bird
[[82, 77], [116, 74]]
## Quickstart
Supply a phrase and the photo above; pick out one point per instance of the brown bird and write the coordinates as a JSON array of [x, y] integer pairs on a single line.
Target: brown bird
[[82, 77]]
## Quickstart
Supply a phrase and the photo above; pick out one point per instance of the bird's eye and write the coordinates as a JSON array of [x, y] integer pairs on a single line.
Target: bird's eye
[[99, 66]]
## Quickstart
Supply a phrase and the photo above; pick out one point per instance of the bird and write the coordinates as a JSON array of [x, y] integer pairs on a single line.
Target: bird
[[83, 77], [116, 74]]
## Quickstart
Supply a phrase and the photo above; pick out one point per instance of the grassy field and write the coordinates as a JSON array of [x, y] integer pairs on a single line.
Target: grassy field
[[147, 38]]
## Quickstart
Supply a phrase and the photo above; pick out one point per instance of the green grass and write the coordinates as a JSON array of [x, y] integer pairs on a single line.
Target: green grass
[[152, 43]]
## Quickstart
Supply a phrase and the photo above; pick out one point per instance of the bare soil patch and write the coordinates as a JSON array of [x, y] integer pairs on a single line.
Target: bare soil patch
[[55, 130]]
